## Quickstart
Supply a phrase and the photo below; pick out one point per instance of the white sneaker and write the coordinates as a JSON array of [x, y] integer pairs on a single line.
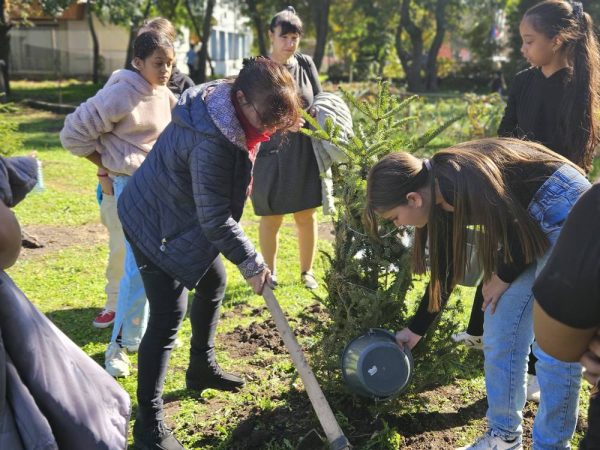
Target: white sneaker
[[468, 340], [533, 388], [309, 280], [116, 360], [489, 441]]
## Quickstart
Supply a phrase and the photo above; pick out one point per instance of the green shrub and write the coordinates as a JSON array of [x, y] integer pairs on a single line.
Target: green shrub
[[368, 279], [10, 141]]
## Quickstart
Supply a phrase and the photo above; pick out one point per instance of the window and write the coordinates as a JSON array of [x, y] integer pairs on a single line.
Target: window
[[222, 46], [213, 44], [231, 46]]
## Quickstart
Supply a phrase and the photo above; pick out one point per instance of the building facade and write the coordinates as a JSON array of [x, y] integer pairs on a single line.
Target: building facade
[[63, 48]]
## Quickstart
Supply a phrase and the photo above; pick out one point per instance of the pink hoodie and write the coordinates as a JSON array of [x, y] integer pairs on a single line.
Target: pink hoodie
[[121, 122]]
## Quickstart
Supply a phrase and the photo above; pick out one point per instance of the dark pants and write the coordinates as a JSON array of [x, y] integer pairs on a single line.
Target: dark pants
[[475, 327], [168, 301], [591, 441]]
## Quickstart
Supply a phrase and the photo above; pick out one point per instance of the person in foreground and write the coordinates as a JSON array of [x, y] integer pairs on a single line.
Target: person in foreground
[[182, 209], [566, 312], [519, 193]]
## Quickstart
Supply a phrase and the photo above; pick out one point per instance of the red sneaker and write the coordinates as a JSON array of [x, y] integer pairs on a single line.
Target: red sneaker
[[104, 319]]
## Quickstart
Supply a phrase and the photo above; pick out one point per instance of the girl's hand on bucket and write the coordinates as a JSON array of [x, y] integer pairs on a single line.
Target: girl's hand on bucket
[[408, 338], [492, 291], [257, 282]]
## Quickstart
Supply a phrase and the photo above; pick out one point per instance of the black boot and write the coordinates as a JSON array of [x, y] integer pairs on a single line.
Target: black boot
[[159, 437], [205, 373]]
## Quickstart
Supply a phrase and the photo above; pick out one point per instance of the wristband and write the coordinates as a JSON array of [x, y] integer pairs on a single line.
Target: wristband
[[101, 174]]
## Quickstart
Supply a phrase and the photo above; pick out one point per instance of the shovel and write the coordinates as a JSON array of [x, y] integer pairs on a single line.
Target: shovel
[[335, 435]]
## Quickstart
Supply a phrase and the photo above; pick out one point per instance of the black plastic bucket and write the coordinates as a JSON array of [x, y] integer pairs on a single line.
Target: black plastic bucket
[[374, 366]]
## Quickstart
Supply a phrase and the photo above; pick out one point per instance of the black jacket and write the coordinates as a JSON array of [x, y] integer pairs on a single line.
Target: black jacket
[[182, 207], [52, 395], [179, 82]]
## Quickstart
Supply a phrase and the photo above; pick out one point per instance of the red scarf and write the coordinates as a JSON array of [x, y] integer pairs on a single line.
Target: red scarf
[[253, 136]]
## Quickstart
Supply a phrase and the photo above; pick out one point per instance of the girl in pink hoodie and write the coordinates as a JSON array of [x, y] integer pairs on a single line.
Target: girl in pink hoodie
[[115, 130]]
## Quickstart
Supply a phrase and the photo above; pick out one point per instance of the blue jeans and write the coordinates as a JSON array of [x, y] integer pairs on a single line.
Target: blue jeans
[[131, 316], [508, 333]]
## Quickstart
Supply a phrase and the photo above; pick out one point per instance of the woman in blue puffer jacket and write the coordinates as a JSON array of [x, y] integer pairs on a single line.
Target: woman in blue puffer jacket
[[182, 209]]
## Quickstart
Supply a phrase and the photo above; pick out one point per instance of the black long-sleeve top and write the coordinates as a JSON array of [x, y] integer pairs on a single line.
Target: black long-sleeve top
[[525, 181], [533, 107]]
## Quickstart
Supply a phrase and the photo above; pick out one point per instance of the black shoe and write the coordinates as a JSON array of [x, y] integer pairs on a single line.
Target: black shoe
[[158, 438], [208, 375]]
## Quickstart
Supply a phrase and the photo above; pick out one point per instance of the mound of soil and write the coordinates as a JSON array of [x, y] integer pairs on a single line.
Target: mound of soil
[[260, 335]]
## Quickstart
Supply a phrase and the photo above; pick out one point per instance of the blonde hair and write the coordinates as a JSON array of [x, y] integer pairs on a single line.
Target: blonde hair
[[161, 25]]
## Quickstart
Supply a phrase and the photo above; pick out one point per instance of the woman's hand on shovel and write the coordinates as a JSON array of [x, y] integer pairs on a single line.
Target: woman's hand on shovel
[[257, 282]]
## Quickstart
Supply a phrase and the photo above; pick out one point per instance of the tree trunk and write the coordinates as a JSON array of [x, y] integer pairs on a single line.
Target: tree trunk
[[5, 26], [133, 34], [172, 10], [96, 46], [259, 26], [431, 82], [203, 53], [411, 61], [321, 16]]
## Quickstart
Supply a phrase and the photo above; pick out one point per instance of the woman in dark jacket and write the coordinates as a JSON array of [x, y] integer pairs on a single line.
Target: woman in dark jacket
[[182, 209]]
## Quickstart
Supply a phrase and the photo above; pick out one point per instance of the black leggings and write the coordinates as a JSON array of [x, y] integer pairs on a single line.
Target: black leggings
[[168, 301], [475, 327], [591, 441]]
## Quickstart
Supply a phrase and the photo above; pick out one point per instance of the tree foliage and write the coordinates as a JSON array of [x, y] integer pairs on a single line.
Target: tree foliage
[[368, 278]]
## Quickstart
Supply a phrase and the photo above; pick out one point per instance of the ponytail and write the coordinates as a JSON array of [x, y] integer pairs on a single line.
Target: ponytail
[[579, 122]]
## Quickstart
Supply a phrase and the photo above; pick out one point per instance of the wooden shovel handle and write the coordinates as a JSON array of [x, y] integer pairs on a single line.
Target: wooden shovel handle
[[335, 435]]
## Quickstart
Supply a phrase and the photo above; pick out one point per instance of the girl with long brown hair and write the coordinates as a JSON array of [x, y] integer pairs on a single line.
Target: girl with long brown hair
[[518, 194]]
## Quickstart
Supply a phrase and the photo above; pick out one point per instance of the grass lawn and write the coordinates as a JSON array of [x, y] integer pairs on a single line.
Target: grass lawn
[[69, 91], [65, 280]]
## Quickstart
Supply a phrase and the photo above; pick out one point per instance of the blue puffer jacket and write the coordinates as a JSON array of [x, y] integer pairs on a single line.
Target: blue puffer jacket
[[181, 208]]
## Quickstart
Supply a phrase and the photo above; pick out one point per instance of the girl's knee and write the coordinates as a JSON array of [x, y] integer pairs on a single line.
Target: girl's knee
[[306, 217], [271, 222]]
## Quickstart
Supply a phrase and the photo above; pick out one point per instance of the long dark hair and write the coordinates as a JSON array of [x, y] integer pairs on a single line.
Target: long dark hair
[[477, 172], [271, 89], [578, 118]]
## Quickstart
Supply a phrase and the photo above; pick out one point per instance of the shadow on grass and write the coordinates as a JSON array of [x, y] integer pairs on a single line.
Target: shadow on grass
[[42, 134], [77, 324], [69, 93]]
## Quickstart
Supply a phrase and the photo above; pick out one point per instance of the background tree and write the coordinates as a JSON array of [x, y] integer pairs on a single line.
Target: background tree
[[348, 29], [417, 17], [201, 18], [23, 8], [126, 13], [260, 13], [95, 44], [376, 37], [320, 14]]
